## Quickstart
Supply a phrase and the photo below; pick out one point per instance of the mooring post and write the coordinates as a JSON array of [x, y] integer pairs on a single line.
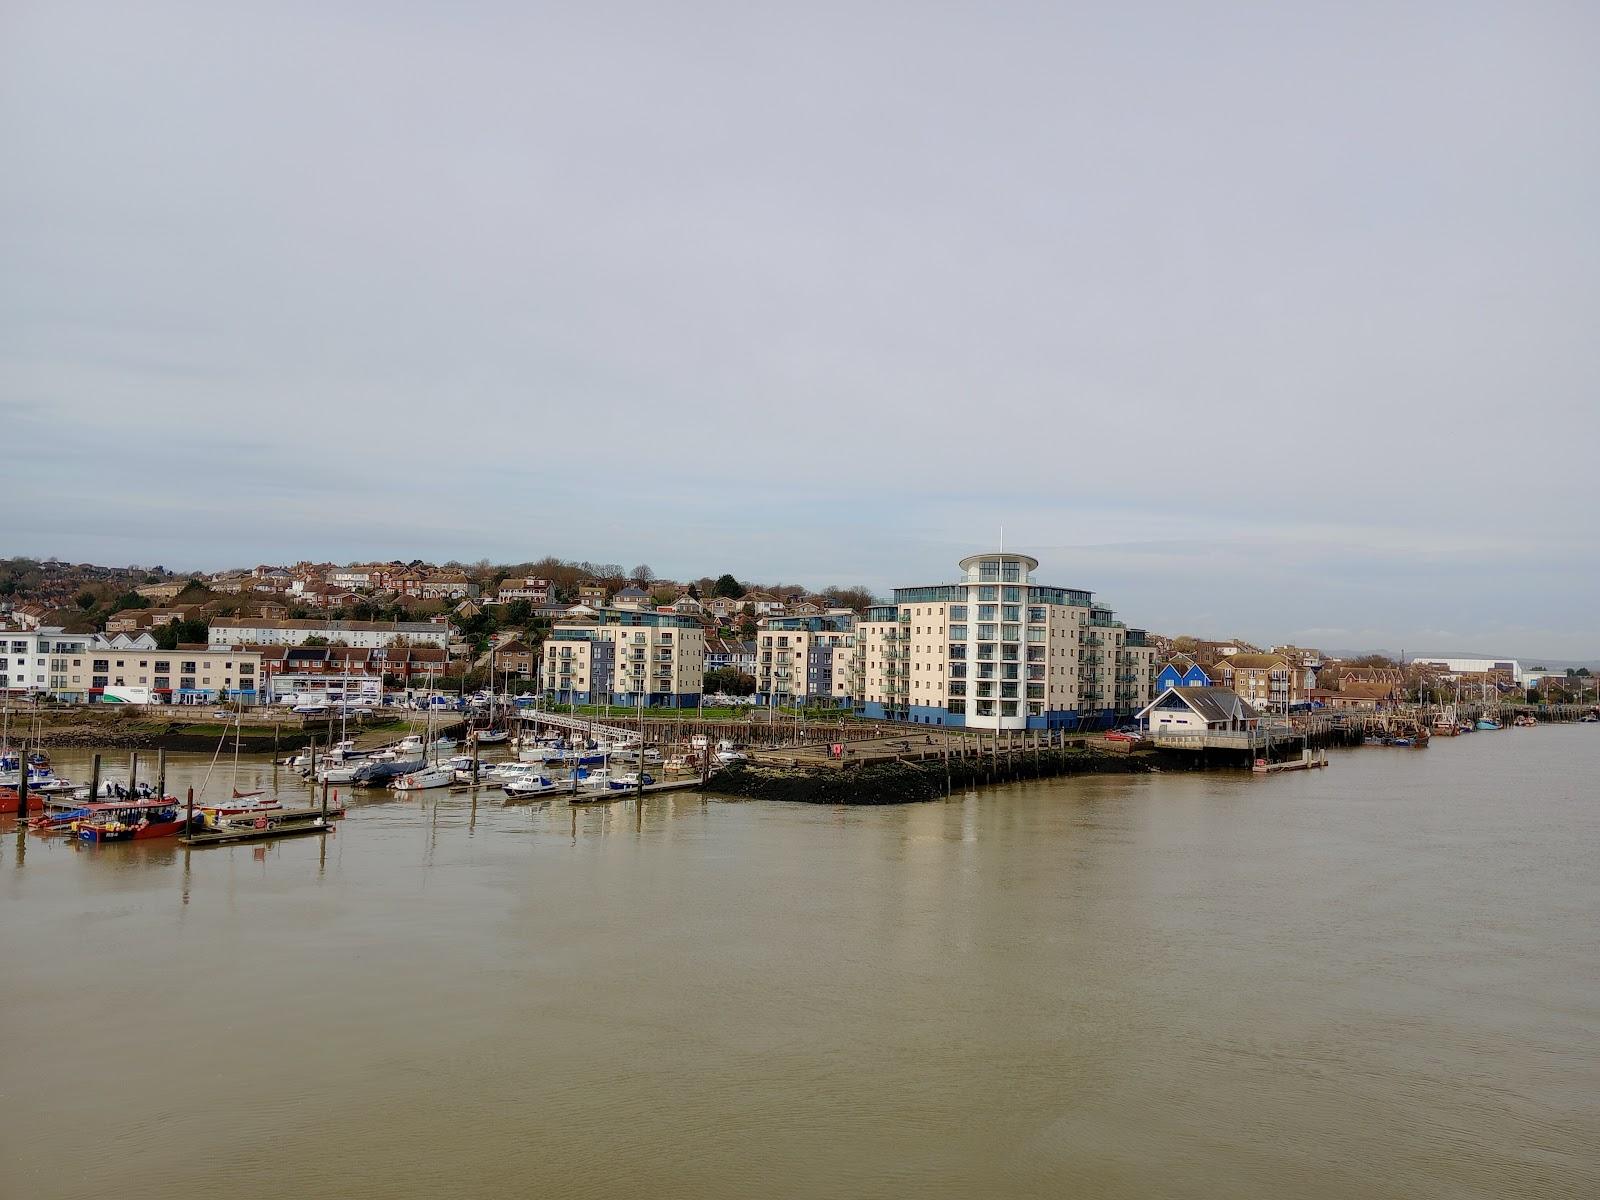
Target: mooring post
[[161, 774], [324, 799], [188, 818], [94, 778], [22, 790], [133, 771]]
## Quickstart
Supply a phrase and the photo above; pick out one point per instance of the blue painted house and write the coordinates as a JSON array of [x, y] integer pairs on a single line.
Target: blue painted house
[[1176, 675]]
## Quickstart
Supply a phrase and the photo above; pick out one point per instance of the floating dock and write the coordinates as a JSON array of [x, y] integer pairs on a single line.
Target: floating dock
[[286, 822]]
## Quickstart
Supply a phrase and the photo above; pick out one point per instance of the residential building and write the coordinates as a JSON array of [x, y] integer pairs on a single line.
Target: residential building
[[996, 650], [360, 634], [1181, 672], [41, 660], [618, 656], [763, 604], [190, 674], [515, 657], [131, 620], [631, 597], [534, 591], [592, 594], [445, 585], [162, 591], [1271, 682], [804, 659], [731, 654]]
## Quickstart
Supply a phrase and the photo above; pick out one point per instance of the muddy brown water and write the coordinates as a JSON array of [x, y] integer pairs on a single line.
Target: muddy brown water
[[1379, 980]]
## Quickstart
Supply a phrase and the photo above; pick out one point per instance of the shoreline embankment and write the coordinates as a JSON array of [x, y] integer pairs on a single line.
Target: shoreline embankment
[[908, 782]]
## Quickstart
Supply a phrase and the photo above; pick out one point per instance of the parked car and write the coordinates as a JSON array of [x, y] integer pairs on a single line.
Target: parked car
[[1117, 735]]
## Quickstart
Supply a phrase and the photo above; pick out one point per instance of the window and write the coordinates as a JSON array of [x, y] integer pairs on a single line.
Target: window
[[987, 612], [102, 664], [1012, 594], [189, 668], [163, 666], [986, 633], [958, 612], [1011, 612], [100, 681], [988, 593], [958, 633]]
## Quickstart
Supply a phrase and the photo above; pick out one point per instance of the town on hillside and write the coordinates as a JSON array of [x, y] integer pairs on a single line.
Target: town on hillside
[[992, 646]]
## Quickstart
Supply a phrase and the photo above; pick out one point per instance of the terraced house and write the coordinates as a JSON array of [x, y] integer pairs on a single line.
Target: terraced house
[[997, 650], [620, 656]]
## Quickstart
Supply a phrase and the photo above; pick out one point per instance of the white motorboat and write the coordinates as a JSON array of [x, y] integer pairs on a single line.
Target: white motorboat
[[492, 737], [341, 772], [532, 785], [629, 781], [425, 778], [728, 753]]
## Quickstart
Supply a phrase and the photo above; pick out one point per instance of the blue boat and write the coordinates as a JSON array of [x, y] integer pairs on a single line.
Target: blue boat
[[1487, 723]]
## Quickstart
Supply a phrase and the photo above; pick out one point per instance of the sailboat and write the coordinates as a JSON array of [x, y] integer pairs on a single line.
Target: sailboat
[[238, 722], [431, 774]]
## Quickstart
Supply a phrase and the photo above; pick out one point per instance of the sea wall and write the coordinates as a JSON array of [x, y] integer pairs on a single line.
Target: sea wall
[[904, 782]]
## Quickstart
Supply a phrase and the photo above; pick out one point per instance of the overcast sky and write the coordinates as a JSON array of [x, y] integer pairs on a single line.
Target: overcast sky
[[1271, 320]]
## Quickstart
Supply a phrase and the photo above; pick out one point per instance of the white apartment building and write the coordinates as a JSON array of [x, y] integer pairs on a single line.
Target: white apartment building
[[997, 650], [361, 635], [617, 656], [805, 659], [39, 661]]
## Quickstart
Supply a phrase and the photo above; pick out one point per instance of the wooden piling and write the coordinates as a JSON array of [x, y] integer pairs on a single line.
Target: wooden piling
[[94, 778], [161, 774], [133, 771]]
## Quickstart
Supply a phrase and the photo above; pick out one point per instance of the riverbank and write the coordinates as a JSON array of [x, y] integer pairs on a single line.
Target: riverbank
[[906, 782], [109, 728]]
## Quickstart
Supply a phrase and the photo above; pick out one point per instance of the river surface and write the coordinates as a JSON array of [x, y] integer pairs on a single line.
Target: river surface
[[1379, 980]]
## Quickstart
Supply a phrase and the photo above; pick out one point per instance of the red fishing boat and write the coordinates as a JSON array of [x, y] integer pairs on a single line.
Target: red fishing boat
[[9, 801], [132, 822]]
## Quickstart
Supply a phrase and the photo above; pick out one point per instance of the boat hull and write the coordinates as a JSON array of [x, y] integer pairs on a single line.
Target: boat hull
[[131, 833], [10, 801]]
